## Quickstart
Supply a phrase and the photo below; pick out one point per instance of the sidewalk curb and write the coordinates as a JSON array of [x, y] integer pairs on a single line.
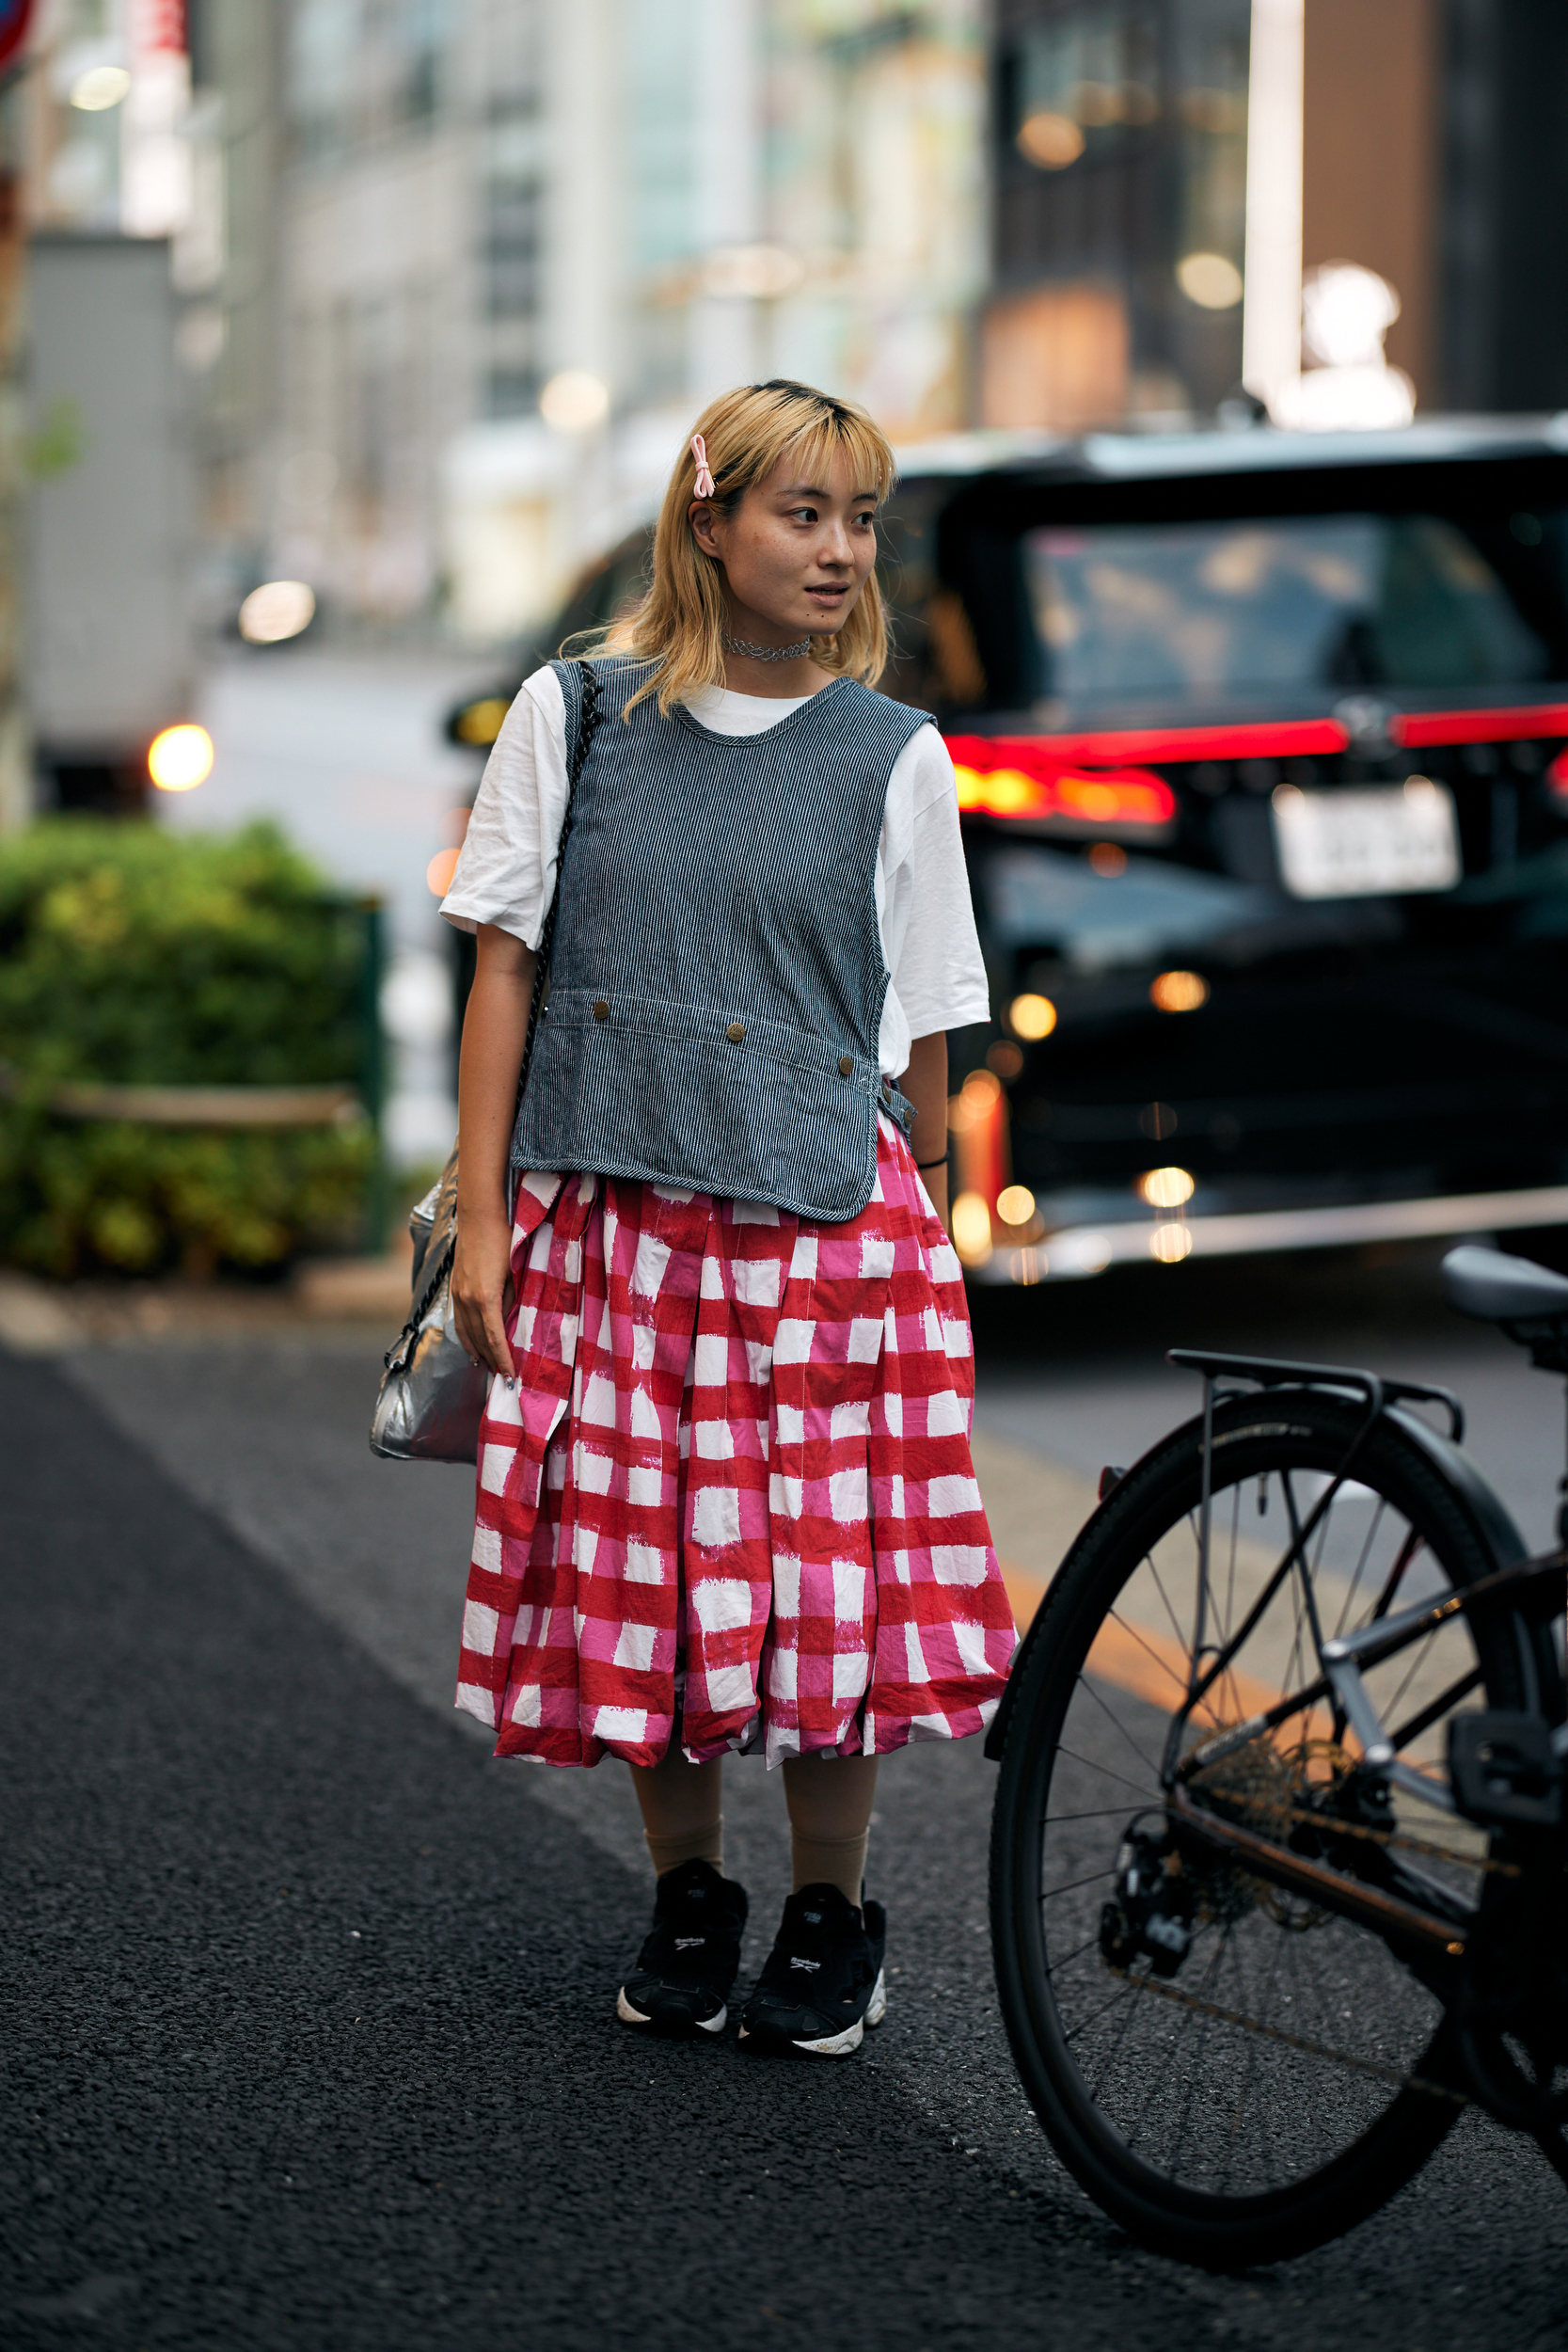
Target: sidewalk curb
[[32, 1321]]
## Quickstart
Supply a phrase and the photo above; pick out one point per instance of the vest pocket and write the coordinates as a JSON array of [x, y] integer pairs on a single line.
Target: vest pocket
[[669, 1093]]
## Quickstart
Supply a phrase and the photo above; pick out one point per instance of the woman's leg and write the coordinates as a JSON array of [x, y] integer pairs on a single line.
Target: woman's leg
[[829, 1800], [681, 1804]]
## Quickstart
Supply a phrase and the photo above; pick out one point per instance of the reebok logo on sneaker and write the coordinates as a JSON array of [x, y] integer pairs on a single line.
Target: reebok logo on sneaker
[[821, 1986], [681, 1983]]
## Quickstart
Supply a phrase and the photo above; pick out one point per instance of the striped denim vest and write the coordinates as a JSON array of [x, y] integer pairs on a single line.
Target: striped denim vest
[[716, 979]]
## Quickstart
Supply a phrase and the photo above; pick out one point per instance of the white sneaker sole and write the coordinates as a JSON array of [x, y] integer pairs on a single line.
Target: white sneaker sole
[[844, 2044], [630, 2016]]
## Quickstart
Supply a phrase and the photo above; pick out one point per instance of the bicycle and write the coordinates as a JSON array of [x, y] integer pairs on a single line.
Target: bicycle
[[1279, 1854]]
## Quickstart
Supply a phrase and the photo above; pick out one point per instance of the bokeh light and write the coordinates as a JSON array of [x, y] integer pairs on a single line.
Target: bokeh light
[[575, 401], [279, 609], [1031, 1017], [100, 88], [1209, 279], [1166, 1187], [972, 1229], [1178, 992], [1051, 140], [179, 759]]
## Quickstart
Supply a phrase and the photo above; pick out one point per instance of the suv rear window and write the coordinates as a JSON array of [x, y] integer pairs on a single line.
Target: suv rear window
[[1198, 609]]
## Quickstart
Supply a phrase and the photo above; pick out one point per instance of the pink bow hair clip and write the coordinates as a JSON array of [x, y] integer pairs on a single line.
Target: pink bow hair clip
[[705, 479]]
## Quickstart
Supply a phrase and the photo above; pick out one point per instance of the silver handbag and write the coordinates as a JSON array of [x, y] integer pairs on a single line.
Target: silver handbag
[[432, 1396]]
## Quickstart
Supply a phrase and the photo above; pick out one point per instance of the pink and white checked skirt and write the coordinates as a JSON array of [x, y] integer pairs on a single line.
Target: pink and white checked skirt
[[731, 1486]]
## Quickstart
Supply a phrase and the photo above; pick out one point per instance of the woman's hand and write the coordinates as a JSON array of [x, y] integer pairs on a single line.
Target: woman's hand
[[482, 1297], [494, 1029]]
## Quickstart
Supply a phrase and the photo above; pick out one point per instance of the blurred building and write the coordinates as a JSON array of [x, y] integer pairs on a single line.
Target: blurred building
[[449, 278], [504, 249], [1120, 185], [1136, 242], [120, 196]]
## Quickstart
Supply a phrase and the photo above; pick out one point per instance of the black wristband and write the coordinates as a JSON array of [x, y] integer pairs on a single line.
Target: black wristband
[[923, 1165]]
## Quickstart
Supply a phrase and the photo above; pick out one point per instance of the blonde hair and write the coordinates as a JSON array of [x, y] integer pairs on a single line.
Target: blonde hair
[[679, 624]]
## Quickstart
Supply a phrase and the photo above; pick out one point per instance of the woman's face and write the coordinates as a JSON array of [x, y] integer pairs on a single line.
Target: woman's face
[[796, 552]]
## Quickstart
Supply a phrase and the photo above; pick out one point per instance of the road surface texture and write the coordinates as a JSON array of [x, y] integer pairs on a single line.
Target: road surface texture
[[309, 2003]]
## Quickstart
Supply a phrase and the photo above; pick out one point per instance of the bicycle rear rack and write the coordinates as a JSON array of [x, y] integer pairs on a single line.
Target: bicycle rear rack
[[1270, 1371], [1341, 1674]]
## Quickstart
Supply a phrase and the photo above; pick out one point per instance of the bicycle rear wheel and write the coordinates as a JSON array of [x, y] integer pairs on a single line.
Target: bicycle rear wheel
[[1244, 2076]]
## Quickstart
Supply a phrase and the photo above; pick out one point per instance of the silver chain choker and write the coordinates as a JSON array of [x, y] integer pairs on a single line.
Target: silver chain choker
[[767, 653]]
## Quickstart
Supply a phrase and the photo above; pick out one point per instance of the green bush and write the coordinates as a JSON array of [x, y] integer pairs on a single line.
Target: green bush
[[133, 957]]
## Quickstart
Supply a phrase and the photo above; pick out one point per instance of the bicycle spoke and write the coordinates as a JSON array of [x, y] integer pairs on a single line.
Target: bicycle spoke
[[1090, 1942], [1360, 1566], [1138, 1790], [1183, 1633], [1052, 1893], [1149, 1762], [1097, 1813], [1111, 2000]]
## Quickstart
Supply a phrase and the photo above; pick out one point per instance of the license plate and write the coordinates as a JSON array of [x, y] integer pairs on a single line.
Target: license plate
[[1368, 842]]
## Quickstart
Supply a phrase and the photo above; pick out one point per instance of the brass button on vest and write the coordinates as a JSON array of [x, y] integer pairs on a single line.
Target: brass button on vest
[[845, 1064], [735, 1031], [601, 1010]]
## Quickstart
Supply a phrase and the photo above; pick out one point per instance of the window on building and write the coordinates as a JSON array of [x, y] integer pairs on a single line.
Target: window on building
[[362, 70]]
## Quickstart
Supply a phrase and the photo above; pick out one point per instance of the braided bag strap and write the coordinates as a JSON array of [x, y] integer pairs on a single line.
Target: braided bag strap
[[588, 720]]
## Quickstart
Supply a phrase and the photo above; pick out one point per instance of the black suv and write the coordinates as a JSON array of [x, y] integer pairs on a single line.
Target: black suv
[[1260, 742]]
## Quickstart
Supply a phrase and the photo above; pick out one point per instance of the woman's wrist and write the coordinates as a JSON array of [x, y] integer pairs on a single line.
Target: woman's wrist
[[483, 1208]]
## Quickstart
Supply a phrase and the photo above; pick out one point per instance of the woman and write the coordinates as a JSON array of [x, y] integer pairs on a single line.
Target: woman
[[725, 1499]]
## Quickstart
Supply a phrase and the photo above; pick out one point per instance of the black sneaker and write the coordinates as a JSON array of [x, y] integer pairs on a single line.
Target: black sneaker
[[687, 1963], [822, 1984]]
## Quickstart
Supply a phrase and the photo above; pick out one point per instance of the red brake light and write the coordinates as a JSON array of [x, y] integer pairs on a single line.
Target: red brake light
[[1416, 729], [1557, 781], [1015, 776]]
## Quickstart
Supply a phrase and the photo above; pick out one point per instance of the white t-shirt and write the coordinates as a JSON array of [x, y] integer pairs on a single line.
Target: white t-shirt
[[506, 871]]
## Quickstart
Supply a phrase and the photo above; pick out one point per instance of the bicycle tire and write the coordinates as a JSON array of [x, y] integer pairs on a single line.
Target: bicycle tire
[[1303, 1433]]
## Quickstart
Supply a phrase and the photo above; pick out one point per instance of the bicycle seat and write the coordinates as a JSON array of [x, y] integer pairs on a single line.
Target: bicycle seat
[[1495, 1288]]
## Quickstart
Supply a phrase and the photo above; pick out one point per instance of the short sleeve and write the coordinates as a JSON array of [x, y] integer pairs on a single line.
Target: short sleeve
[[505, 872], [928, 934]]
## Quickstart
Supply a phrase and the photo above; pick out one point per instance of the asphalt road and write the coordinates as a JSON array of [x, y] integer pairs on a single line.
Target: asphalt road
[[310, 2031]]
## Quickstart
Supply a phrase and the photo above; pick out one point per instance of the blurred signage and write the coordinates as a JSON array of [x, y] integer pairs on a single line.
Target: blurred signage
[[157, 25], [16, 17]]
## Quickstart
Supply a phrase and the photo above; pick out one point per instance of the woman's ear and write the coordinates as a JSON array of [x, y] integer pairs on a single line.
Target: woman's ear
[[702, 520]]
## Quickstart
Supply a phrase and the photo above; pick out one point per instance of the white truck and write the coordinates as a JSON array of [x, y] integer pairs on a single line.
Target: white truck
[[109, 651]]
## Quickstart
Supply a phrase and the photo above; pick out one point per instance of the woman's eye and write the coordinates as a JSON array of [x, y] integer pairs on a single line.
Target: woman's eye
[[803, 514]]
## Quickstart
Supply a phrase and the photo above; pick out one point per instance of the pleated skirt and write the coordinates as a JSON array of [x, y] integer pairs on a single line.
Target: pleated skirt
[[729, 1497]]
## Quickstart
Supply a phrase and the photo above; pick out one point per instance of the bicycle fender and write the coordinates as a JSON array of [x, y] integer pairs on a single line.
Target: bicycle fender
[[1480, 1498]]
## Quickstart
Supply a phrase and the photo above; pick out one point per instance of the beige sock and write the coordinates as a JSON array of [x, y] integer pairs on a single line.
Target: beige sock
[[705, 1844], [839, 1861], [682, 1809], [830, 1799]]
